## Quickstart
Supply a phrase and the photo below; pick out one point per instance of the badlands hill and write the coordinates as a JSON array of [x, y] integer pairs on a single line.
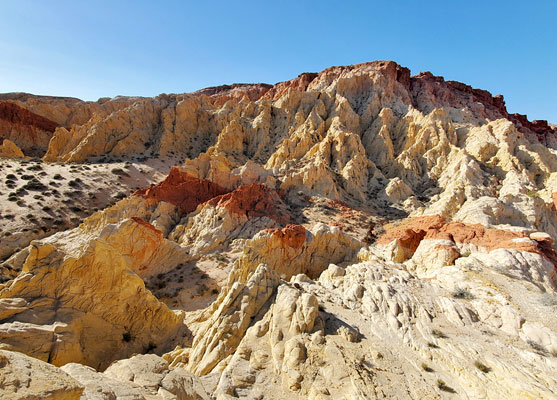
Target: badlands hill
[[358, 233]]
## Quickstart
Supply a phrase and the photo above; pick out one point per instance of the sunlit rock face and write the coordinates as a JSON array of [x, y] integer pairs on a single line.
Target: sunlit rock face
[[354, 233]]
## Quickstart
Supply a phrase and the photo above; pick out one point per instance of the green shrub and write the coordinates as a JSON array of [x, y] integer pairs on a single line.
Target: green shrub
[[482, 367], [426, 368], [443, 386], [438, 334], [461, 293], [532, 193]]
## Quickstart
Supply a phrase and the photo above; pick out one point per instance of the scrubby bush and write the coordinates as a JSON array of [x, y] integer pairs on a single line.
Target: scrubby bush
[[443, 386], [34, 185], [482, 367], [461, 293], [426, 368], [119, 172], [438, 334], [536, 346]]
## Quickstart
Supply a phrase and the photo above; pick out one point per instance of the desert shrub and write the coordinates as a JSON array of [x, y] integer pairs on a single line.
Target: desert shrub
[[58, 177], [119, 172], [461, 293], [221, 258], [11, 176], [150, 347], [532, 193], [536, 346], [443, 386], [426, 368], [34, 185], [438, 334], [482, 367]]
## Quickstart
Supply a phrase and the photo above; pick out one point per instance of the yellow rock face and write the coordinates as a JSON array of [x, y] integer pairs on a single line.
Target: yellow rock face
[[82, 294], [9, 149]]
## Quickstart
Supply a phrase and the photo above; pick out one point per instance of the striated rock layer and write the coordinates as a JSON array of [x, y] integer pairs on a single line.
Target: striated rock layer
[[29, 131]]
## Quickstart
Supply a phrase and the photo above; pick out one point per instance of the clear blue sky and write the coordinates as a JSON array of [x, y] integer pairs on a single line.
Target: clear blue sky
[[92, 49]]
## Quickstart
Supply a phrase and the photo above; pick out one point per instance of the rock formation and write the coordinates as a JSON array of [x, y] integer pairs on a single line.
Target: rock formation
[[29, 131], [354, 233], [9, 149]]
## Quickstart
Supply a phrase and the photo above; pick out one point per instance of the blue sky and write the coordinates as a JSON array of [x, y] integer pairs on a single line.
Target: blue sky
[[106, 48]]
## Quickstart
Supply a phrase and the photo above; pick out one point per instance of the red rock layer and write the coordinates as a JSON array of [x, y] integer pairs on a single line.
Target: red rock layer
[[421, 88], [459, 95], [18, 115], [290, 236], [29, 131], [411, 232], [182, 190], [255, 200], [147, 225]]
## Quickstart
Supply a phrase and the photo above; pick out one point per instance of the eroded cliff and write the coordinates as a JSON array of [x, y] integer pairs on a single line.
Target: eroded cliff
[[353, 233]]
